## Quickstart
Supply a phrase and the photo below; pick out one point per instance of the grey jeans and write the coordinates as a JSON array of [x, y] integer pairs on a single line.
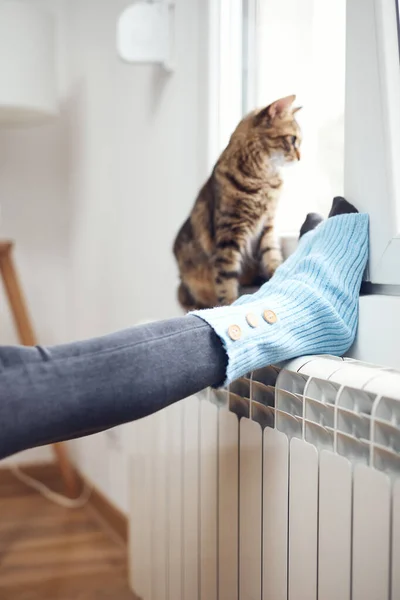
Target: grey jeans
[[63, 392]]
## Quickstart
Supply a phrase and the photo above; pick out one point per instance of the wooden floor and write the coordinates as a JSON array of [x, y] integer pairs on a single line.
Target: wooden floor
[[48, 552]]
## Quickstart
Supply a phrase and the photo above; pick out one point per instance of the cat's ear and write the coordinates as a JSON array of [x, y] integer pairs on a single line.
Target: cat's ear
[[280, 107], [276, 109], [295, 110]]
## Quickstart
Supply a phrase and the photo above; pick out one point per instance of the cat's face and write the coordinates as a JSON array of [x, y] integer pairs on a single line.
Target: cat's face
[[279, 131], [276, 130]]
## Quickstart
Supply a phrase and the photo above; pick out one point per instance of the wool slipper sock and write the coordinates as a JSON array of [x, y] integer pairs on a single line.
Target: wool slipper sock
[[311, 309]]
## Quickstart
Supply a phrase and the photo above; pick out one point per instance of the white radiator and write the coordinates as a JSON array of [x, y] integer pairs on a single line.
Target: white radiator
[[287, 486]]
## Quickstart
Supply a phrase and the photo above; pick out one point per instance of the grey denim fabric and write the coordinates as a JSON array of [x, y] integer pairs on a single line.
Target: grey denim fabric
[[63, 392]]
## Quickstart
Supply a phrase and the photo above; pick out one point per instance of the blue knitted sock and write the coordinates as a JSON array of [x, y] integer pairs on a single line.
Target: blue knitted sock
[[310, 306]]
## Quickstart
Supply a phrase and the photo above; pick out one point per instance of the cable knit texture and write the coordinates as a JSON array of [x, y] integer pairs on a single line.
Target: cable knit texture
[[313, 297]]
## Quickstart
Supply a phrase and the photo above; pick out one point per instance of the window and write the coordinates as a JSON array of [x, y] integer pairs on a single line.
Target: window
[[225, 72], [295, 42], [273, 48], [341, 59]]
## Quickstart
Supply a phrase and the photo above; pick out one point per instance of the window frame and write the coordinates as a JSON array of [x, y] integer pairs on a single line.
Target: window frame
[[232, 40], [250, 13], [225, 87], [372, 168]]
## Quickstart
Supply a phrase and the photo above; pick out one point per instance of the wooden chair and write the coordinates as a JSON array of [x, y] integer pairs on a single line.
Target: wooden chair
[[27, 338]]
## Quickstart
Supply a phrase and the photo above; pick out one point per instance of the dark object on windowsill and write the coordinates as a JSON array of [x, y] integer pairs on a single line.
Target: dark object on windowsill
[[340, 206], [311, 222]]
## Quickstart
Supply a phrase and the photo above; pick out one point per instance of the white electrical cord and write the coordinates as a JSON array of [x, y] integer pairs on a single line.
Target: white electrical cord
[[49, 494]]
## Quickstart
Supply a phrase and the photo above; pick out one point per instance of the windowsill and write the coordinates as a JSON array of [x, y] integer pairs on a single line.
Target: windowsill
[[288, 242]]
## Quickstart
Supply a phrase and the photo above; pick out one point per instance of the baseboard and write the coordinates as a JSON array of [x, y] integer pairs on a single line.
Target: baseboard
[[49, 474]]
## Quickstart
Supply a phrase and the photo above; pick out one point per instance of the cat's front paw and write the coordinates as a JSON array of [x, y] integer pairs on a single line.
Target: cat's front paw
[[226, 292], [270, 266], [227, 300]]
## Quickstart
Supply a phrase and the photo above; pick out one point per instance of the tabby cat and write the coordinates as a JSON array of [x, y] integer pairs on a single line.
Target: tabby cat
[[229, 238]]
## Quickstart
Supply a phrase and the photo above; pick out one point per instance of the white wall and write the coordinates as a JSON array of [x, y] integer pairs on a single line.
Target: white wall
[[94, 199], [135, 167]]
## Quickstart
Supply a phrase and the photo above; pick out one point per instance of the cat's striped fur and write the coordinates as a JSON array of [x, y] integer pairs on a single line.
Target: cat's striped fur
[[229, 238]]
